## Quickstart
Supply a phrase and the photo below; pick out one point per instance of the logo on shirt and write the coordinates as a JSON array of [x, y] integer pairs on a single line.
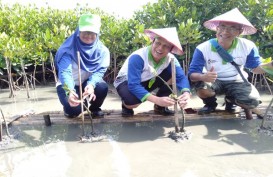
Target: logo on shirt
[[210, 61]]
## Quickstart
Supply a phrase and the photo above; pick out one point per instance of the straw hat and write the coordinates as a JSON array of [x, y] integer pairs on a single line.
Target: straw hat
[[232, 16], [90, 22], [169, 34]]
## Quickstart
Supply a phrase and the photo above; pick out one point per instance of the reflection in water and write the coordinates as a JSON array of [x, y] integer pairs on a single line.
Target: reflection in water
[[137, 149], [32, 143], [266, 130], [43, 161], [120, 162]]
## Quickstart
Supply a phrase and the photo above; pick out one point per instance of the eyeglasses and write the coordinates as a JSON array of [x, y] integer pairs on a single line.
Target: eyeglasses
[[164, 46], [228, 29]]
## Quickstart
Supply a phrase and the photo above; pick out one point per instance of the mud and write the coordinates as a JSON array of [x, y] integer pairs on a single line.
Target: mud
[[217, 147]]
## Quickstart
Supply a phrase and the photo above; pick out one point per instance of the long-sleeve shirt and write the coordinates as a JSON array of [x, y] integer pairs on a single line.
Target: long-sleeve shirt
[[139, 67], [244, 52], [68, 73]]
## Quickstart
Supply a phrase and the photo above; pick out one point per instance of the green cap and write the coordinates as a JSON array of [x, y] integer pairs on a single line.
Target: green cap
[[89, 22]]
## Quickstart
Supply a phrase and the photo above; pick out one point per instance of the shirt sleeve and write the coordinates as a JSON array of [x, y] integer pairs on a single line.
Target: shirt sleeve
[[65, 71], [135, 67], [98, 75], [253, 59], [197, 63]]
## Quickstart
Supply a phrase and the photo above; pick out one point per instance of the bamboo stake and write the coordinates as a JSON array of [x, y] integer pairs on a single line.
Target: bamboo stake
[[80, 88], [175, 93]]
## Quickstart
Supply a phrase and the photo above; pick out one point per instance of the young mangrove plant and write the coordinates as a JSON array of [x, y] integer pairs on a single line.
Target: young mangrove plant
[[179, 133]]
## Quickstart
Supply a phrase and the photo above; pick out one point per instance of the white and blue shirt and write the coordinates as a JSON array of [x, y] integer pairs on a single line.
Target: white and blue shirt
[[140, 67], [244, 52]]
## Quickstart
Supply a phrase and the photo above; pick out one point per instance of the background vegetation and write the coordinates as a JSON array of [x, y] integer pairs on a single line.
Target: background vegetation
[[30, 36]]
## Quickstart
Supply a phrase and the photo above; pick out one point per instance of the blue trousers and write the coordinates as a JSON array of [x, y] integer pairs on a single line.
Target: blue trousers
[[100, 90]]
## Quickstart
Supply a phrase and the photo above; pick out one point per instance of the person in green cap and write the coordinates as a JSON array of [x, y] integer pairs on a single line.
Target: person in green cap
[[94, 60]]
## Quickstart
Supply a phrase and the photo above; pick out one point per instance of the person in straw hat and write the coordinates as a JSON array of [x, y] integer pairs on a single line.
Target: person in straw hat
[[137, 77], [94, 59], [211, 74]]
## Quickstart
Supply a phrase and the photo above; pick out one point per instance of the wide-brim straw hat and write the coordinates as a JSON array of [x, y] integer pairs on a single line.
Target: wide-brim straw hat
[[232, 16], [169, 34]]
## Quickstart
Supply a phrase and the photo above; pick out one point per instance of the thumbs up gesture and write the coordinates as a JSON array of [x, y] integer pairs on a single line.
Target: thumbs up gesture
[[210, 76]]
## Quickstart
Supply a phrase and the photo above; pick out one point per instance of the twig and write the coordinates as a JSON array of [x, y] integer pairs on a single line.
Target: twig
[[89, 114], [166, 84]]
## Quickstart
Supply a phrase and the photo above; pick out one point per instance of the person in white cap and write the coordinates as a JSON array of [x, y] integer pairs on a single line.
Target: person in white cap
[[137, 77], [94, 61], [213, 74]]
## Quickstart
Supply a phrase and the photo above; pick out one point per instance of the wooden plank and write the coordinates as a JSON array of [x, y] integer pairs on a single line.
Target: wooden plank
[[57, 117], [113, 116]]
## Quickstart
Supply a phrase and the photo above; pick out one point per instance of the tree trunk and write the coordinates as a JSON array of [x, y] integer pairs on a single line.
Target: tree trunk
[[53, 67], [34, 76], [187, 59], [25, 80], [115, 66], [10, 80], [43, 68]]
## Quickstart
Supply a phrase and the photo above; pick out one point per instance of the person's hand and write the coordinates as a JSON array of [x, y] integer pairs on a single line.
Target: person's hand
[[210, 76], [89, 92], [165, 101], [183, 99], [73, 99]]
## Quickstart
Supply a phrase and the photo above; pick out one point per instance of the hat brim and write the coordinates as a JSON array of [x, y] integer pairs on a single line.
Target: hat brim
[[170, 36], [232, 16], [213, 24], [90, 29]]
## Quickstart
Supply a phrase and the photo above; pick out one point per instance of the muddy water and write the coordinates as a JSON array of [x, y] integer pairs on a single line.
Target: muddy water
[[224, 148], [217, 148]]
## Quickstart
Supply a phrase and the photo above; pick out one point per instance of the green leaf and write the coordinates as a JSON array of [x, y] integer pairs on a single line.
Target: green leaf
[[66, 89], [151, 82]]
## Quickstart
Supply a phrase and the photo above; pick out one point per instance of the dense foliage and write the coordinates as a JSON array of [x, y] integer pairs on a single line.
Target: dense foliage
[[30, 36]]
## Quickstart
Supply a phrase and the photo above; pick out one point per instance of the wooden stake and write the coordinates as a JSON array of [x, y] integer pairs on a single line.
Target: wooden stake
[[47, 120], [175, 93], [80, 88]]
